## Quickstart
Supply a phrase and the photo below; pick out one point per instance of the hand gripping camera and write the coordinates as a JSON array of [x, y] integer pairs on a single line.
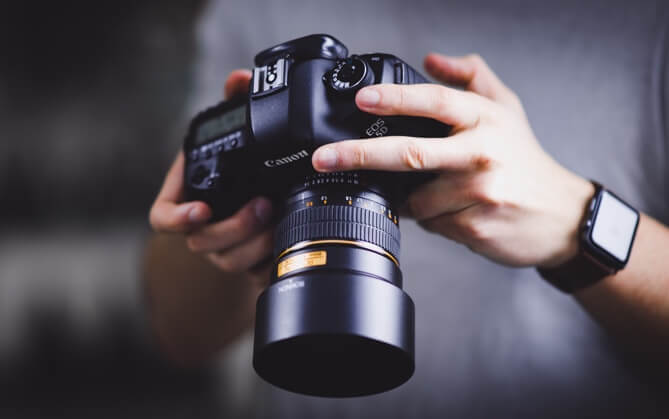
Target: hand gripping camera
[[334, 320]]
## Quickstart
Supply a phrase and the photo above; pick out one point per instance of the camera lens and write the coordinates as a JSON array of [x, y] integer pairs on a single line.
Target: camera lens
[[335, 321]]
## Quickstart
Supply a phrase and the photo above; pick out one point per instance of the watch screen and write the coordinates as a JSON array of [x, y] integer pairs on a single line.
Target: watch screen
[[614, 226], [231, 120]]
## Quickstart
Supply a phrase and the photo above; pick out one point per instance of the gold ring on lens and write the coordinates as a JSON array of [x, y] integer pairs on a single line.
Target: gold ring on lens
[[374, 248]]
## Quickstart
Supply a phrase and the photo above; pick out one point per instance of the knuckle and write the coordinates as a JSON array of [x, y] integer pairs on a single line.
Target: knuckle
[[481, 161], [401, 97], [441, 100], [359, 155], [414, 156], [476, 60]]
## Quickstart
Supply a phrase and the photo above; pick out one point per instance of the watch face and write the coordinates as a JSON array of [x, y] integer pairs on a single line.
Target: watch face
[[614, 227]]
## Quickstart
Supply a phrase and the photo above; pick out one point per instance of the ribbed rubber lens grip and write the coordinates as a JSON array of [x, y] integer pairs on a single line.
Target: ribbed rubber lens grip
[[338, 222]]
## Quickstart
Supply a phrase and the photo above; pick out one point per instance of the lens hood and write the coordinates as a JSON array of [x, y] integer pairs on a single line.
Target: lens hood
[[334, 334]]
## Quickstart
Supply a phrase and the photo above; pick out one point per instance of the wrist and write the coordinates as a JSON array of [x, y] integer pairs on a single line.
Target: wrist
[[572, 205]]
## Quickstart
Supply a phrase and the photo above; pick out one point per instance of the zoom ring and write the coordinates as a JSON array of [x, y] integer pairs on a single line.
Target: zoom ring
[[339, 223]]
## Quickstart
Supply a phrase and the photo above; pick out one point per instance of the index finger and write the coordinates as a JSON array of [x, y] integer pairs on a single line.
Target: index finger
[[167, 213], [445, 104], [458, 152]]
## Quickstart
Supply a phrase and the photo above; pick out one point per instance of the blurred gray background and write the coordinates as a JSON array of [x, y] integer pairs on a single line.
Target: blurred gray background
[[92, 98], [94, 101]]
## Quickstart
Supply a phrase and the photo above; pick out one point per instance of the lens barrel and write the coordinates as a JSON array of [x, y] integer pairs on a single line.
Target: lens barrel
[[335, 321]]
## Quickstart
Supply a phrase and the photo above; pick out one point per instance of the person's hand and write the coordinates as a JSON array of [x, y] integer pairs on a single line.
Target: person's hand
[[497, 192], [237, 245]]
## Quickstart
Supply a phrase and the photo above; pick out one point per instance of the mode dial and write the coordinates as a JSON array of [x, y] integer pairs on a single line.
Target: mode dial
[[350, 74]]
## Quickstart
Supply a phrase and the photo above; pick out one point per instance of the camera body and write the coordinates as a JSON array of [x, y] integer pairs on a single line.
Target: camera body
[[301, 97], [334, 320]]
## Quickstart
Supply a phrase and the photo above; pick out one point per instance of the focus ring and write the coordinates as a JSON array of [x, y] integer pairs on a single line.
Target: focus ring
[[337, 222]]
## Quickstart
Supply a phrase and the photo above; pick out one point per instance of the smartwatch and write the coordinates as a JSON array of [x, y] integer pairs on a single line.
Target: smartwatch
[[606, 237]]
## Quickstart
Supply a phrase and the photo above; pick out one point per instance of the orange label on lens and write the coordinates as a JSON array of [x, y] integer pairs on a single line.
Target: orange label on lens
[[303, 260]]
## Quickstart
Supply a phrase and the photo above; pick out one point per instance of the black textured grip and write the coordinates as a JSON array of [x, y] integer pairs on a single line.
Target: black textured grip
[[337, 222]]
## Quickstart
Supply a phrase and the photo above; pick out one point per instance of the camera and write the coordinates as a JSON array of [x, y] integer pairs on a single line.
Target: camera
[[334, 320]]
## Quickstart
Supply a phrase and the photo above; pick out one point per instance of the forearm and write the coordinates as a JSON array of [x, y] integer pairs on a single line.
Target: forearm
[[194, 308], [634, 304]]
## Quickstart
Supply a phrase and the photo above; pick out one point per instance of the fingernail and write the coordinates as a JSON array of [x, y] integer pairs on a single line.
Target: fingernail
[[326, 158], [196, 214], [368, 97], [263, 210]]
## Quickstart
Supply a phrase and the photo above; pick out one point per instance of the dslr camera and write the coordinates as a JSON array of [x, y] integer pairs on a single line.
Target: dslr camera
[[334, 320]]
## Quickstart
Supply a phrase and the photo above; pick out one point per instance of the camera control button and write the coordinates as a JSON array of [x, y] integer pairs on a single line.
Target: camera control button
[[350, 74], [199, 174], [399, 74]]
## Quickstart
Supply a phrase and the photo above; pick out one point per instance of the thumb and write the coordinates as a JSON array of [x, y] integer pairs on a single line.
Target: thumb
[[237, 83]]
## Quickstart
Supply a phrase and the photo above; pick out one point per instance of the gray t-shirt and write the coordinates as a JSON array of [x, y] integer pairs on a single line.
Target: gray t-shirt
[[490, 341]]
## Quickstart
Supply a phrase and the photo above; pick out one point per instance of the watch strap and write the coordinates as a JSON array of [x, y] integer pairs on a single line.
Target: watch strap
[[582, 270], [579, 272]]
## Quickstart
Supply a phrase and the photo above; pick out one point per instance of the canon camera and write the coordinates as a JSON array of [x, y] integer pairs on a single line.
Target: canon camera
[[334, 320]]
